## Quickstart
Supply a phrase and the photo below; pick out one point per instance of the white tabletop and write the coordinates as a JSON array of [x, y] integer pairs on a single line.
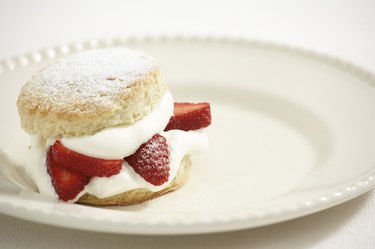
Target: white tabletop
[[344, 29]]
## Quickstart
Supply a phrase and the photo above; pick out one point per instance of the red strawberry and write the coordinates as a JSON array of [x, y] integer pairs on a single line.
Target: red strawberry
[[188, 116], [151, 160], [67, 183], [82, 164]]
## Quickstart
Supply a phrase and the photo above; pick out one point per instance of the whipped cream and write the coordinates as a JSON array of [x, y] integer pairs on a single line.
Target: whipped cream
[[179, 143], [35, 166], [117, 143], [120, 142]]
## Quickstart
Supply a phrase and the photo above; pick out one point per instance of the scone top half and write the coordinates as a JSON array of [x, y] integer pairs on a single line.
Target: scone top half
[[87, 92]]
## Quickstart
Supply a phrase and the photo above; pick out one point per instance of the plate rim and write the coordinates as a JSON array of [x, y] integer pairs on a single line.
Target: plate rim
[[352, 189]]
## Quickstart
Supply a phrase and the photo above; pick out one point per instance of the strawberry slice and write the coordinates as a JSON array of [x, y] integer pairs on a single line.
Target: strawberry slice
[[151, 160], [66, 183], [189, 116], [85, 165]]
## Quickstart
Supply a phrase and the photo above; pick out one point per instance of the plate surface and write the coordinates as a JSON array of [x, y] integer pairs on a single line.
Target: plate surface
[[292, 134]]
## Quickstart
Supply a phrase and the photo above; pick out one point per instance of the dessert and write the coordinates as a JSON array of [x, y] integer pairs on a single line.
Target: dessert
[[105, 129]]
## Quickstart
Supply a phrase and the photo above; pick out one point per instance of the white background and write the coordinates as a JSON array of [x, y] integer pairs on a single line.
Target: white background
[[344, 29]]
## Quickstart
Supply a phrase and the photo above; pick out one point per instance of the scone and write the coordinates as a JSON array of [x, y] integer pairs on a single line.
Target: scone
[[105, 130]]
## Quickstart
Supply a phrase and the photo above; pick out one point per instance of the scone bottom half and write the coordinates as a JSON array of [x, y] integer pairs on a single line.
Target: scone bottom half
[[100, 89]]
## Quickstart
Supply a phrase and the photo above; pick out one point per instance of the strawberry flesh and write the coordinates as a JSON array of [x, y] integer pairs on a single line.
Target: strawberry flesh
[[189, 116], [85, 165], [151, 160], [67, 183]]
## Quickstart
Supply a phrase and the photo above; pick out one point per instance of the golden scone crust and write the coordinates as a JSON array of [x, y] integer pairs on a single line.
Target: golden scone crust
[[140, 195], [89, 91]]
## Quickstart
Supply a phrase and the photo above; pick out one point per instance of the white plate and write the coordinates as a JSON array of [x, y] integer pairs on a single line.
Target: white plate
[[292, 134]]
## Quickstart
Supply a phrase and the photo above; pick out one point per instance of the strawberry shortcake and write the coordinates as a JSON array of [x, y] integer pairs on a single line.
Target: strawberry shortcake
[[105, 129]]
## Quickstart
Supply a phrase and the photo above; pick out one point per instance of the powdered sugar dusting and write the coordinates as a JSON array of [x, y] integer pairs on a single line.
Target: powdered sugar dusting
[[91, 78], [151, 160]]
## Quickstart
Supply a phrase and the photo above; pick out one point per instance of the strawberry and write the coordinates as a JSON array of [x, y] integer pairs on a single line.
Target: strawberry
[[85, 165], [189, 116], [151, 160], [66, 183]]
